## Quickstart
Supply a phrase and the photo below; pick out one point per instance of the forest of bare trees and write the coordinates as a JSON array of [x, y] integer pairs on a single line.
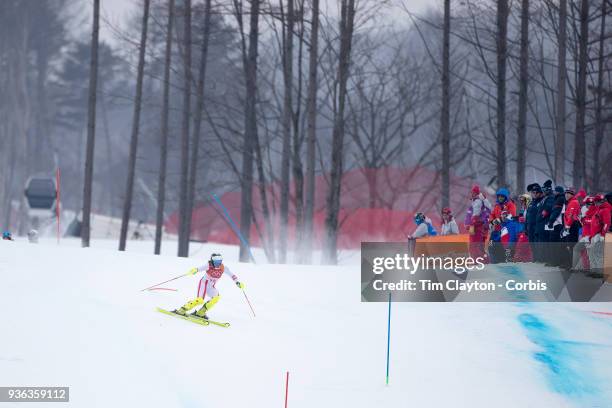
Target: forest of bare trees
[[199, 97]]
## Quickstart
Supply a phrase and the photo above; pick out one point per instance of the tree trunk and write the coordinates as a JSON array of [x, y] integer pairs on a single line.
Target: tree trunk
[[250, 133], [445, 119], [91, 127], [579, 141], [183, 238], [197, 125], [599, 123], [127, 205], [268, 244], [297, 166], [559, 175], [330, 253], [163, 154], [307, 235], [521, 150], [287, 116], [502, 42]]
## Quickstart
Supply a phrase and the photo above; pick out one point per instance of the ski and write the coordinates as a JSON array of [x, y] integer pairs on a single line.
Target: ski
[[194, 319]]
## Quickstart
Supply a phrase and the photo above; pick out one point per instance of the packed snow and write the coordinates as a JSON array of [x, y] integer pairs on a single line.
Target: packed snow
[[77, 317]]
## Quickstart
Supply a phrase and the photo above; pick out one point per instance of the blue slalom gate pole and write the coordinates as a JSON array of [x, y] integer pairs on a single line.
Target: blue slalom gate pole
[[388, 337], [234, 227]]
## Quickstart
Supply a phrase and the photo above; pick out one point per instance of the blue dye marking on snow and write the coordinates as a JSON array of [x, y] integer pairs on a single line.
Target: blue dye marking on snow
[[515, 272], [567, 368]]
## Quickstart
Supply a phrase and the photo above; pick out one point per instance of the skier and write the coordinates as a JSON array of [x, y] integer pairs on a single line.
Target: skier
[[449, 225], [424, 227], [6, 236], [476, 221], [214, 270]]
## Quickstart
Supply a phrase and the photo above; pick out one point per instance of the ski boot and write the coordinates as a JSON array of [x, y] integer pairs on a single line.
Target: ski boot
[[207, 306], [188, 306]]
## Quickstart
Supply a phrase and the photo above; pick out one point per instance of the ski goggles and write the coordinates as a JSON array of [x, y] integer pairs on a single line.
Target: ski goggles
[[216, 260]]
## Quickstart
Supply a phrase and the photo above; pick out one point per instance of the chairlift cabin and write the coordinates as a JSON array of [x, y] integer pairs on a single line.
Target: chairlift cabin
[[41, 195]]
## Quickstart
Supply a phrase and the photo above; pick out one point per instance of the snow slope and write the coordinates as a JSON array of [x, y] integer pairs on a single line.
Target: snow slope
[[76, 317]]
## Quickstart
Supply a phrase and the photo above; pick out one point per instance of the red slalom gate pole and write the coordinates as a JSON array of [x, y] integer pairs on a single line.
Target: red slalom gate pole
[[286, 389], [57, 203]]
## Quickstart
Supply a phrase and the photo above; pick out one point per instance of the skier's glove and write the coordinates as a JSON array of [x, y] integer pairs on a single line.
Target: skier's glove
[[193, 271], [240, 285]]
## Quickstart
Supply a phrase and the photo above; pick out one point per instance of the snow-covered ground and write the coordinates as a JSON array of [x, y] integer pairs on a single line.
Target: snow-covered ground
[[77, 317]]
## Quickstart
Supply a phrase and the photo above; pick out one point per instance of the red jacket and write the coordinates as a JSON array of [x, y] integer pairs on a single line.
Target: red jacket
[[572, 212], [587, 221], [499, 208], [604, 216]]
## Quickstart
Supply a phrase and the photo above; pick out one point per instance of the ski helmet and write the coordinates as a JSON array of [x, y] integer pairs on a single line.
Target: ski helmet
[[419, 218], [216, 259]]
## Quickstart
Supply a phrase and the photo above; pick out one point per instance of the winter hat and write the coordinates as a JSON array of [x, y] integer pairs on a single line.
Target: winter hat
[[503, 192], [581, 194], [531, 186], [559, 190], [609, 197], [475, 189], [535, 188], [419, 218], [547, 186]]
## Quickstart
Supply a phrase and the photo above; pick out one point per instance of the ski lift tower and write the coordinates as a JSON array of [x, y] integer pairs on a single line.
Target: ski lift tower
[[41, 196]]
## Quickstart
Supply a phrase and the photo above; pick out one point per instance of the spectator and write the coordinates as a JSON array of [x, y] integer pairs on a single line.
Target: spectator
[[449, 225], [545, 207], [476, 221], [424, 227]]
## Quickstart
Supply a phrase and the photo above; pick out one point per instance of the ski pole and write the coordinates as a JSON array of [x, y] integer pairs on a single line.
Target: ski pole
[[247, 299], [170, 280]]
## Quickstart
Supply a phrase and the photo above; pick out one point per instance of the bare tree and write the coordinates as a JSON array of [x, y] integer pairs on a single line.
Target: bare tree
[[521, 148], [127, 204], [250, 131], [163, 159], [91, 126], [445, 117], [311, 135], [195, 146], [347, 17], [287, 120], [579, 141], [183, 236], [502, 56], [559, 175], [599, 120]]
